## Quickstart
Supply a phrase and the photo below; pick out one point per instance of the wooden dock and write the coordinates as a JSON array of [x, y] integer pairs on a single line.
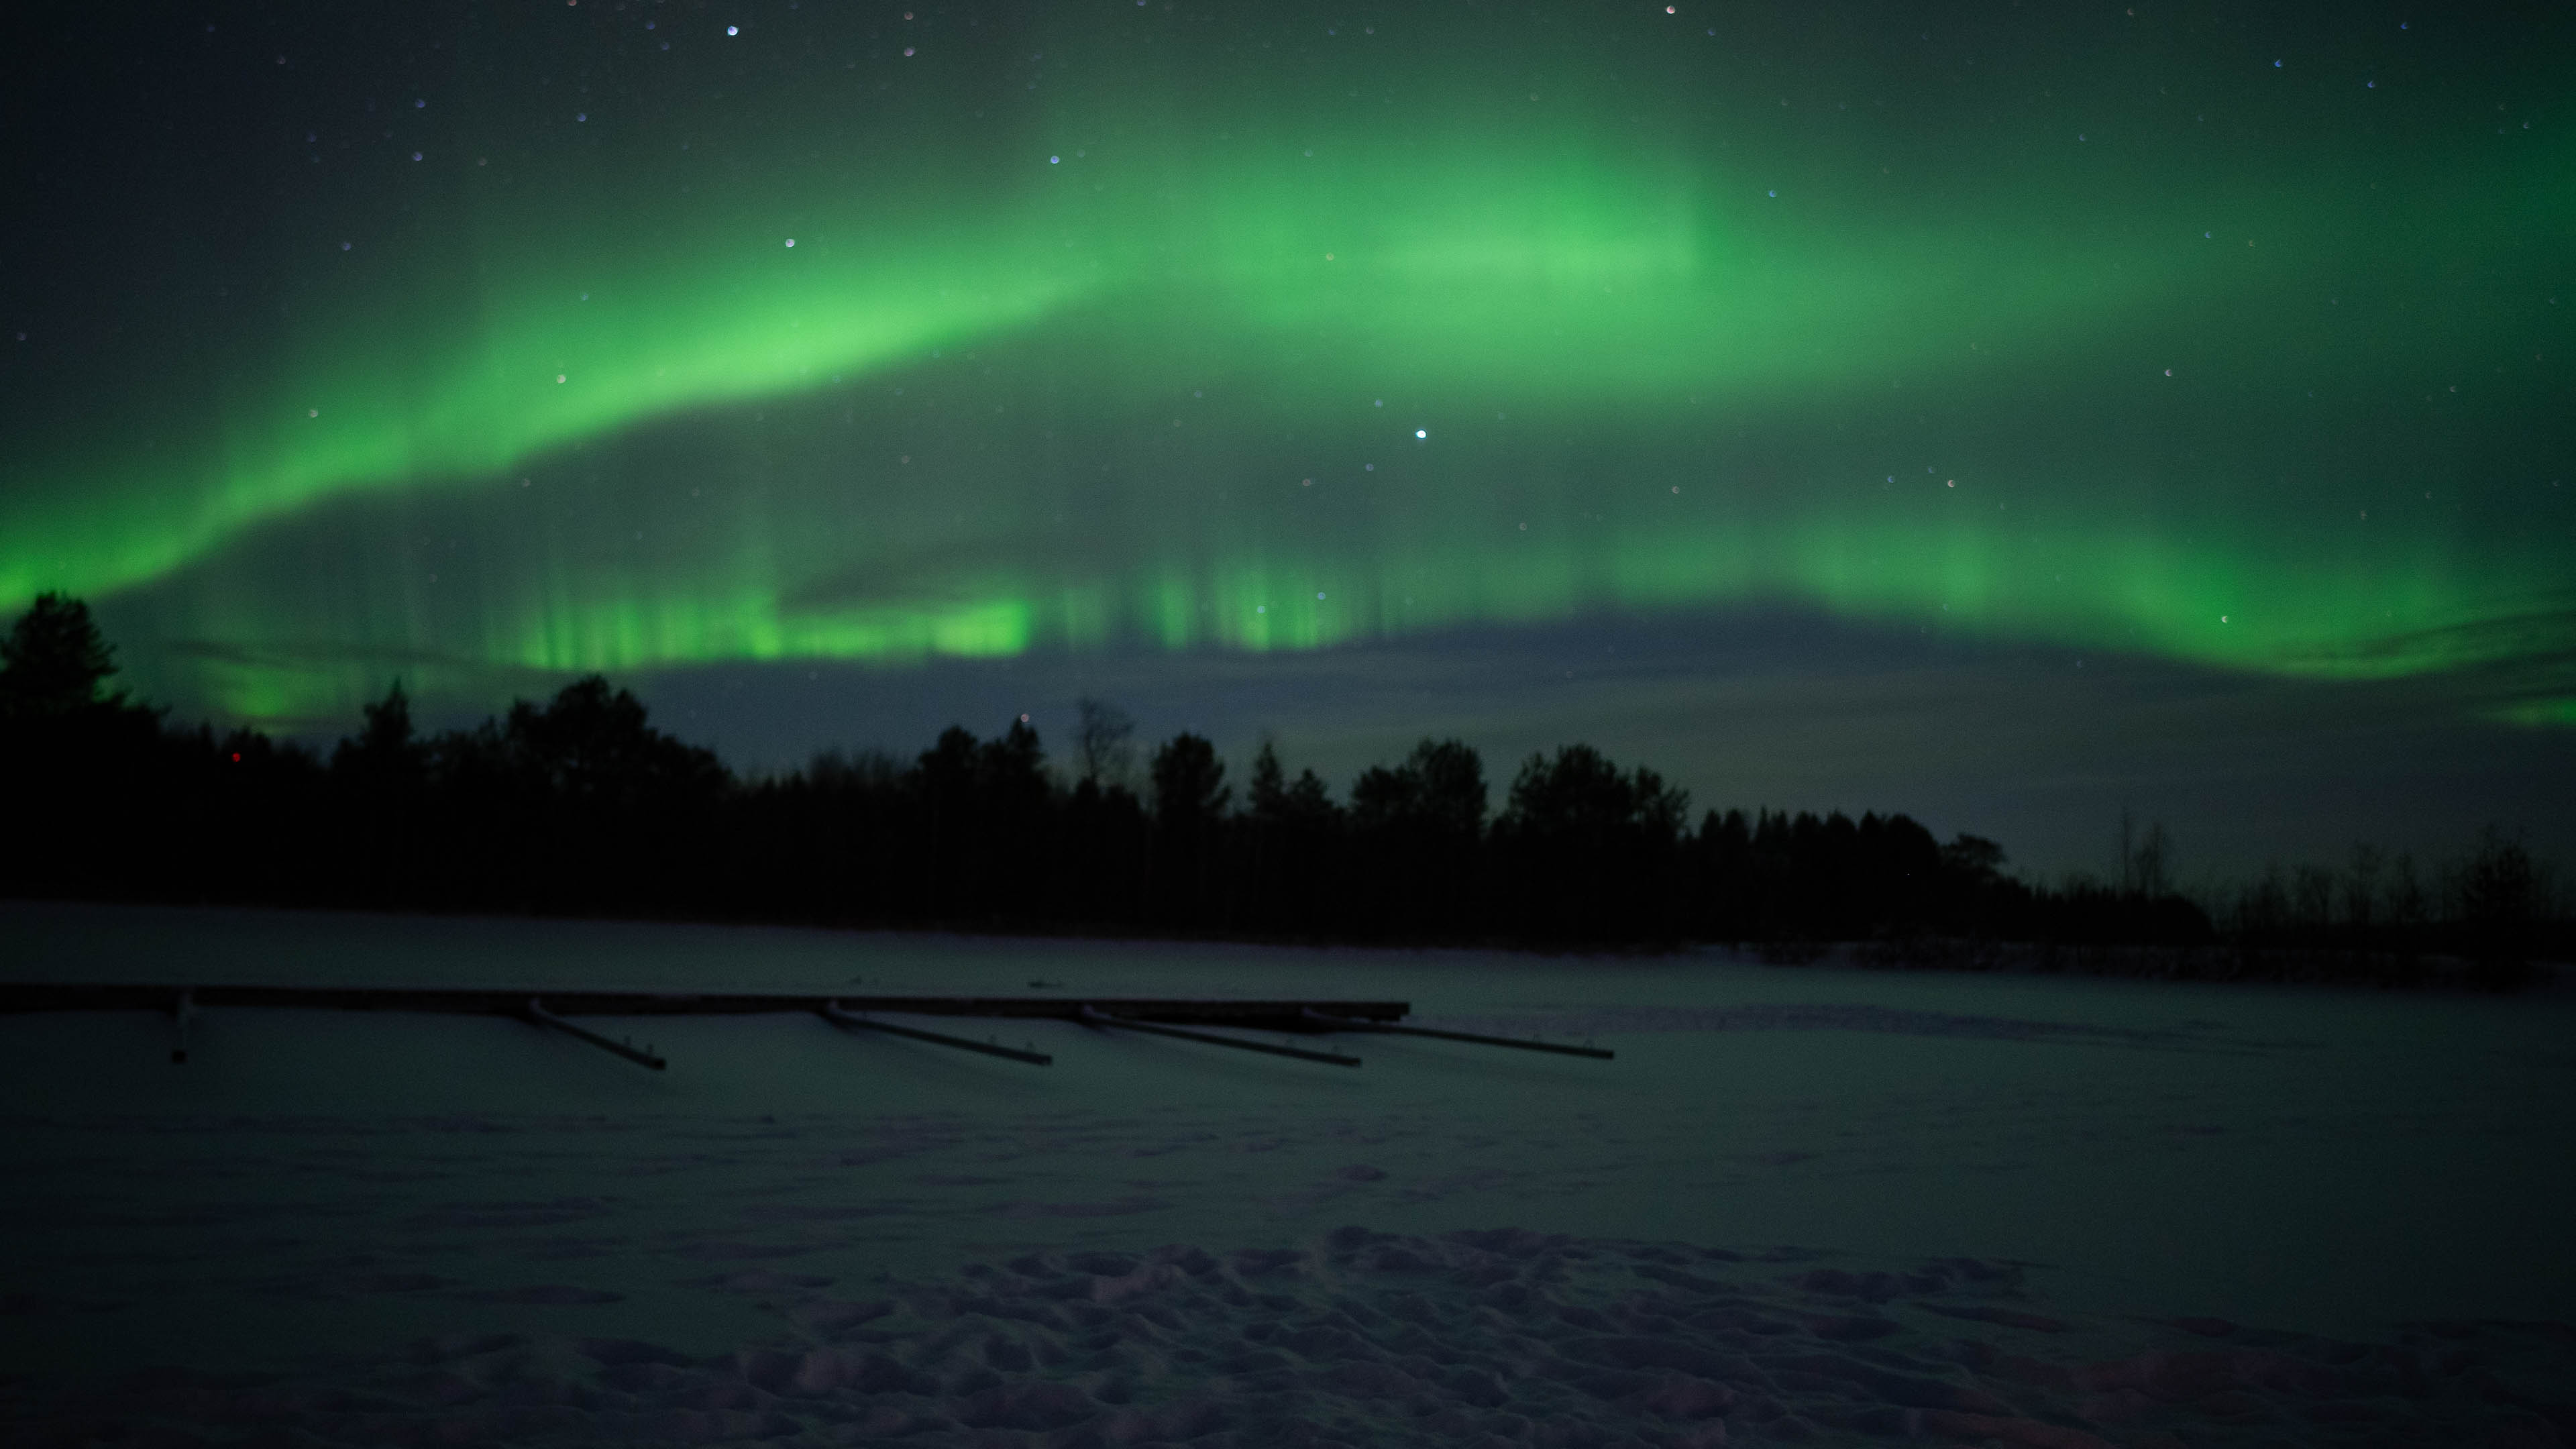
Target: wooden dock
[[1187, 1018], [567, 1001]]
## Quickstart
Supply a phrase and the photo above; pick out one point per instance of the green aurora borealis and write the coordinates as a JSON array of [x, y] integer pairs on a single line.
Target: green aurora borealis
[[1256, 329]]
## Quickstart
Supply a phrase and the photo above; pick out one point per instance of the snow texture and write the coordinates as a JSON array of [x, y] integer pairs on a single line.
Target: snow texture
[[2016, 1210], [1499, 1337]]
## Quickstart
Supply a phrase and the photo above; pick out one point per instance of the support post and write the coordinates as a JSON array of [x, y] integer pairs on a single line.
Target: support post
[[831, 1011], [1344, 1023], [536, 1011], [1098, 1018], [182, 1012]]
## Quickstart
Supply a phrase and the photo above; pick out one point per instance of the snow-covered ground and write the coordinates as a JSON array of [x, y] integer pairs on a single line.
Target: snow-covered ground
[[433, 1218]]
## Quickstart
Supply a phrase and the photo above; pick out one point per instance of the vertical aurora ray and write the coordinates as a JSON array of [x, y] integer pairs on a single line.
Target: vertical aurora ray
[[1110, 326]]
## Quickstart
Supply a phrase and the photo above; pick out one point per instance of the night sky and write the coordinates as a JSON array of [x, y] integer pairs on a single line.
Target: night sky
[[2004, 418]]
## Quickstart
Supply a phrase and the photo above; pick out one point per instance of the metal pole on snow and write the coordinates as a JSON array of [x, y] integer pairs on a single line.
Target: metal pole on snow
[[536, 1012], [1344, 1023], [831, 1011], [1124, 1023]]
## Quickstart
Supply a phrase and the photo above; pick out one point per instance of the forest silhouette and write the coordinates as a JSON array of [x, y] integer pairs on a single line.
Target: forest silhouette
[[579, 806]]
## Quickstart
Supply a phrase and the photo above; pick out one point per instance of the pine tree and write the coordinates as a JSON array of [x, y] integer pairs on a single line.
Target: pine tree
[[54, 661]]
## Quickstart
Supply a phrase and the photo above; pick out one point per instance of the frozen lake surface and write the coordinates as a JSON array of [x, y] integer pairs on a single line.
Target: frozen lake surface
[[793, 1222]]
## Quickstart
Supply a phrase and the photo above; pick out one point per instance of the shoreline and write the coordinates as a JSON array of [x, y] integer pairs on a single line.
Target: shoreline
[[2212, 964]]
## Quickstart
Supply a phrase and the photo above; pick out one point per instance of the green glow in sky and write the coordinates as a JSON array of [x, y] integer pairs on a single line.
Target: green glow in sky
[[1249, 332]]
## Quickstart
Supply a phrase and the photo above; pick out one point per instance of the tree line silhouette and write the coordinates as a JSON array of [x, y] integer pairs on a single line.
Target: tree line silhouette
[[580, 806]]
